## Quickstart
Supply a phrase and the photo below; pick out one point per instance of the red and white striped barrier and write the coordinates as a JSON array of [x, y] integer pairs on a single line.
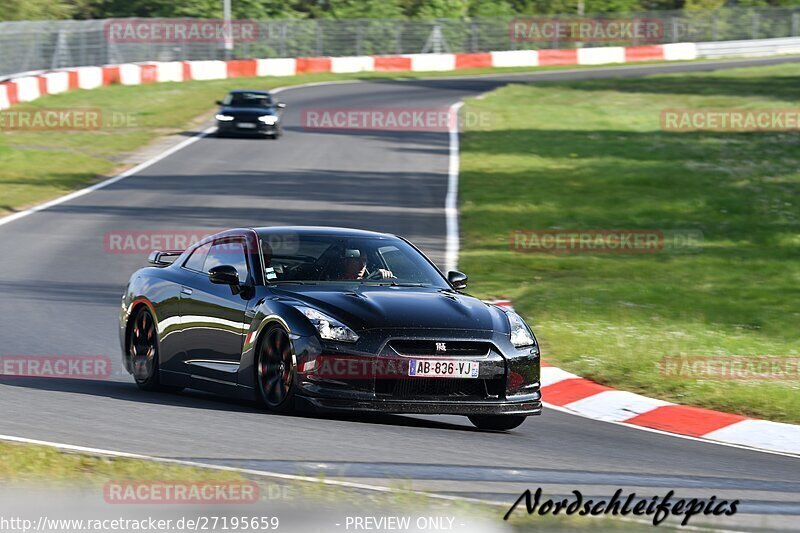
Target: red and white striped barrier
[[28, 88], [585, 397]]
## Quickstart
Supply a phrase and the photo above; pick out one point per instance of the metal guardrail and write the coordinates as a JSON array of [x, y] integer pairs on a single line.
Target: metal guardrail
[[763, 47], [44, 45]]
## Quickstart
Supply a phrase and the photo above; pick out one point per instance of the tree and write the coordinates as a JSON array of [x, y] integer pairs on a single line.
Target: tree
[[364, 9], [35, 9], [491, 8], [433, 9]]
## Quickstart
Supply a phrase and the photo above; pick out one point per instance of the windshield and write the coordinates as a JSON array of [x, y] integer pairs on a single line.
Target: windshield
[[293, 258], [248, 100]]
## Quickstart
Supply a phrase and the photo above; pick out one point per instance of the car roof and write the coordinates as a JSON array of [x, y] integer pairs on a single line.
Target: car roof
[[249, 91], [322, 230]]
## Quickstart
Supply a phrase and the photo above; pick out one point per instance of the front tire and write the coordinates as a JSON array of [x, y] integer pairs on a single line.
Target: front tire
[[276, 374], [143, 351], [497, 422]]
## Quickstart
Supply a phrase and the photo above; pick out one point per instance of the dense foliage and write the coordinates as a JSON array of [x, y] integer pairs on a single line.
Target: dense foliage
[[420, 9]]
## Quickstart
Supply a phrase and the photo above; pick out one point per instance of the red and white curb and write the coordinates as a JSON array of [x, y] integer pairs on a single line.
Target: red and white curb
[[29, 87], [573, 393]]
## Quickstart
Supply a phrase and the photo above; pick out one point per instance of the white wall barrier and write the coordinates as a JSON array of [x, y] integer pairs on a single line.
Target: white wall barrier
[[601, 55], [515, 58], [429, 62], [276, 67], [352, 64]]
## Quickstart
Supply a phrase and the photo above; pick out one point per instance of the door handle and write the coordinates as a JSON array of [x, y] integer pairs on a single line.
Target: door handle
[[186, 290]]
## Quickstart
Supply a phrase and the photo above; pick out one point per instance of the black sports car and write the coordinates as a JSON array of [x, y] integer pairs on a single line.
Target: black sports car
[[249, 113], [328, 318]]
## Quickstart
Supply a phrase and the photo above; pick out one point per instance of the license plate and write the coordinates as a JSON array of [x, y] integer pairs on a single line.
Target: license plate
[[442, 368], [246, 125]]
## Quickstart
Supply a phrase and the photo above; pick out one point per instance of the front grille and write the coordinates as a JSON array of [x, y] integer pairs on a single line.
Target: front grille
[[441, 388], [452, 348]]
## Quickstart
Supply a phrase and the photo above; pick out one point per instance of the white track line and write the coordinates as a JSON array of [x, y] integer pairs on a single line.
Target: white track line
[[451, 200]]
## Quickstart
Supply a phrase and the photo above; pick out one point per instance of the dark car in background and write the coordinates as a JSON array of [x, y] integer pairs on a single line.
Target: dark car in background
[[245, 112], [334, 319]]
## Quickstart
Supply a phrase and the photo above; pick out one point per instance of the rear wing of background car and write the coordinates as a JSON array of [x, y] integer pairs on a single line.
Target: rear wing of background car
[[163, 258]]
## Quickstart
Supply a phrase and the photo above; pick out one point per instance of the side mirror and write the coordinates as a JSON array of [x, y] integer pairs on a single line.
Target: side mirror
[[280, 105], [224, 275], [457, 279], [219, 102]]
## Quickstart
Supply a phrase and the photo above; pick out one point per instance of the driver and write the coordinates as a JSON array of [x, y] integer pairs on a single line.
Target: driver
[[355, 267]]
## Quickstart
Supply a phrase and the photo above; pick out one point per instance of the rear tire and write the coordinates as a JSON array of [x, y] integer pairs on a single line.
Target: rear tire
[[497, 422], [276, 375], [143, 352]]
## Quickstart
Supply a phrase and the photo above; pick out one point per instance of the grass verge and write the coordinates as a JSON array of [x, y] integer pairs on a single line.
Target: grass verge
[[26, 468], [591, 155]]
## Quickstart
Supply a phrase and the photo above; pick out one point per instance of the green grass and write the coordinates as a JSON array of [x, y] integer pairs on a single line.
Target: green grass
[[24, 467], [31, 463], [591, 155], [37, 166]]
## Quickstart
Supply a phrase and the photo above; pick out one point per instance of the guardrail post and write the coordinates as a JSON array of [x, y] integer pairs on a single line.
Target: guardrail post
[[756, 23], [474, 37], [359, 36], [398, 40], [715, 28], [319, 39], [795, 24]]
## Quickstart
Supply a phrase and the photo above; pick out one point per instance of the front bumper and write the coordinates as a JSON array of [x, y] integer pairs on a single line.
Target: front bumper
[[236, 127], [373, 376], [528, 407]]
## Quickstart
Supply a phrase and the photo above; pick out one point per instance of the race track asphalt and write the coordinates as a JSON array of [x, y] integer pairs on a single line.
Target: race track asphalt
[[60, 290]]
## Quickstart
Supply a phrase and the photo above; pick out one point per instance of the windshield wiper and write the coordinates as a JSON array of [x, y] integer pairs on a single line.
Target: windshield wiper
[[293, 282]]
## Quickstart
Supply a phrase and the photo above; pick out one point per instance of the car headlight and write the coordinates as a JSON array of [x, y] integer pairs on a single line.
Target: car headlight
[[224, 118], [328, 327], [269, 120], [520, 333]]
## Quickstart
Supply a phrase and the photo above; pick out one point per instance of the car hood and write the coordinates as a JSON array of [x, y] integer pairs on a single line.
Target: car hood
[[377, 307]]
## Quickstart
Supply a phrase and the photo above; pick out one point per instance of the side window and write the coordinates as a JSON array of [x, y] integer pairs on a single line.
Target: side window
[[228, 252], [197, 258]]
